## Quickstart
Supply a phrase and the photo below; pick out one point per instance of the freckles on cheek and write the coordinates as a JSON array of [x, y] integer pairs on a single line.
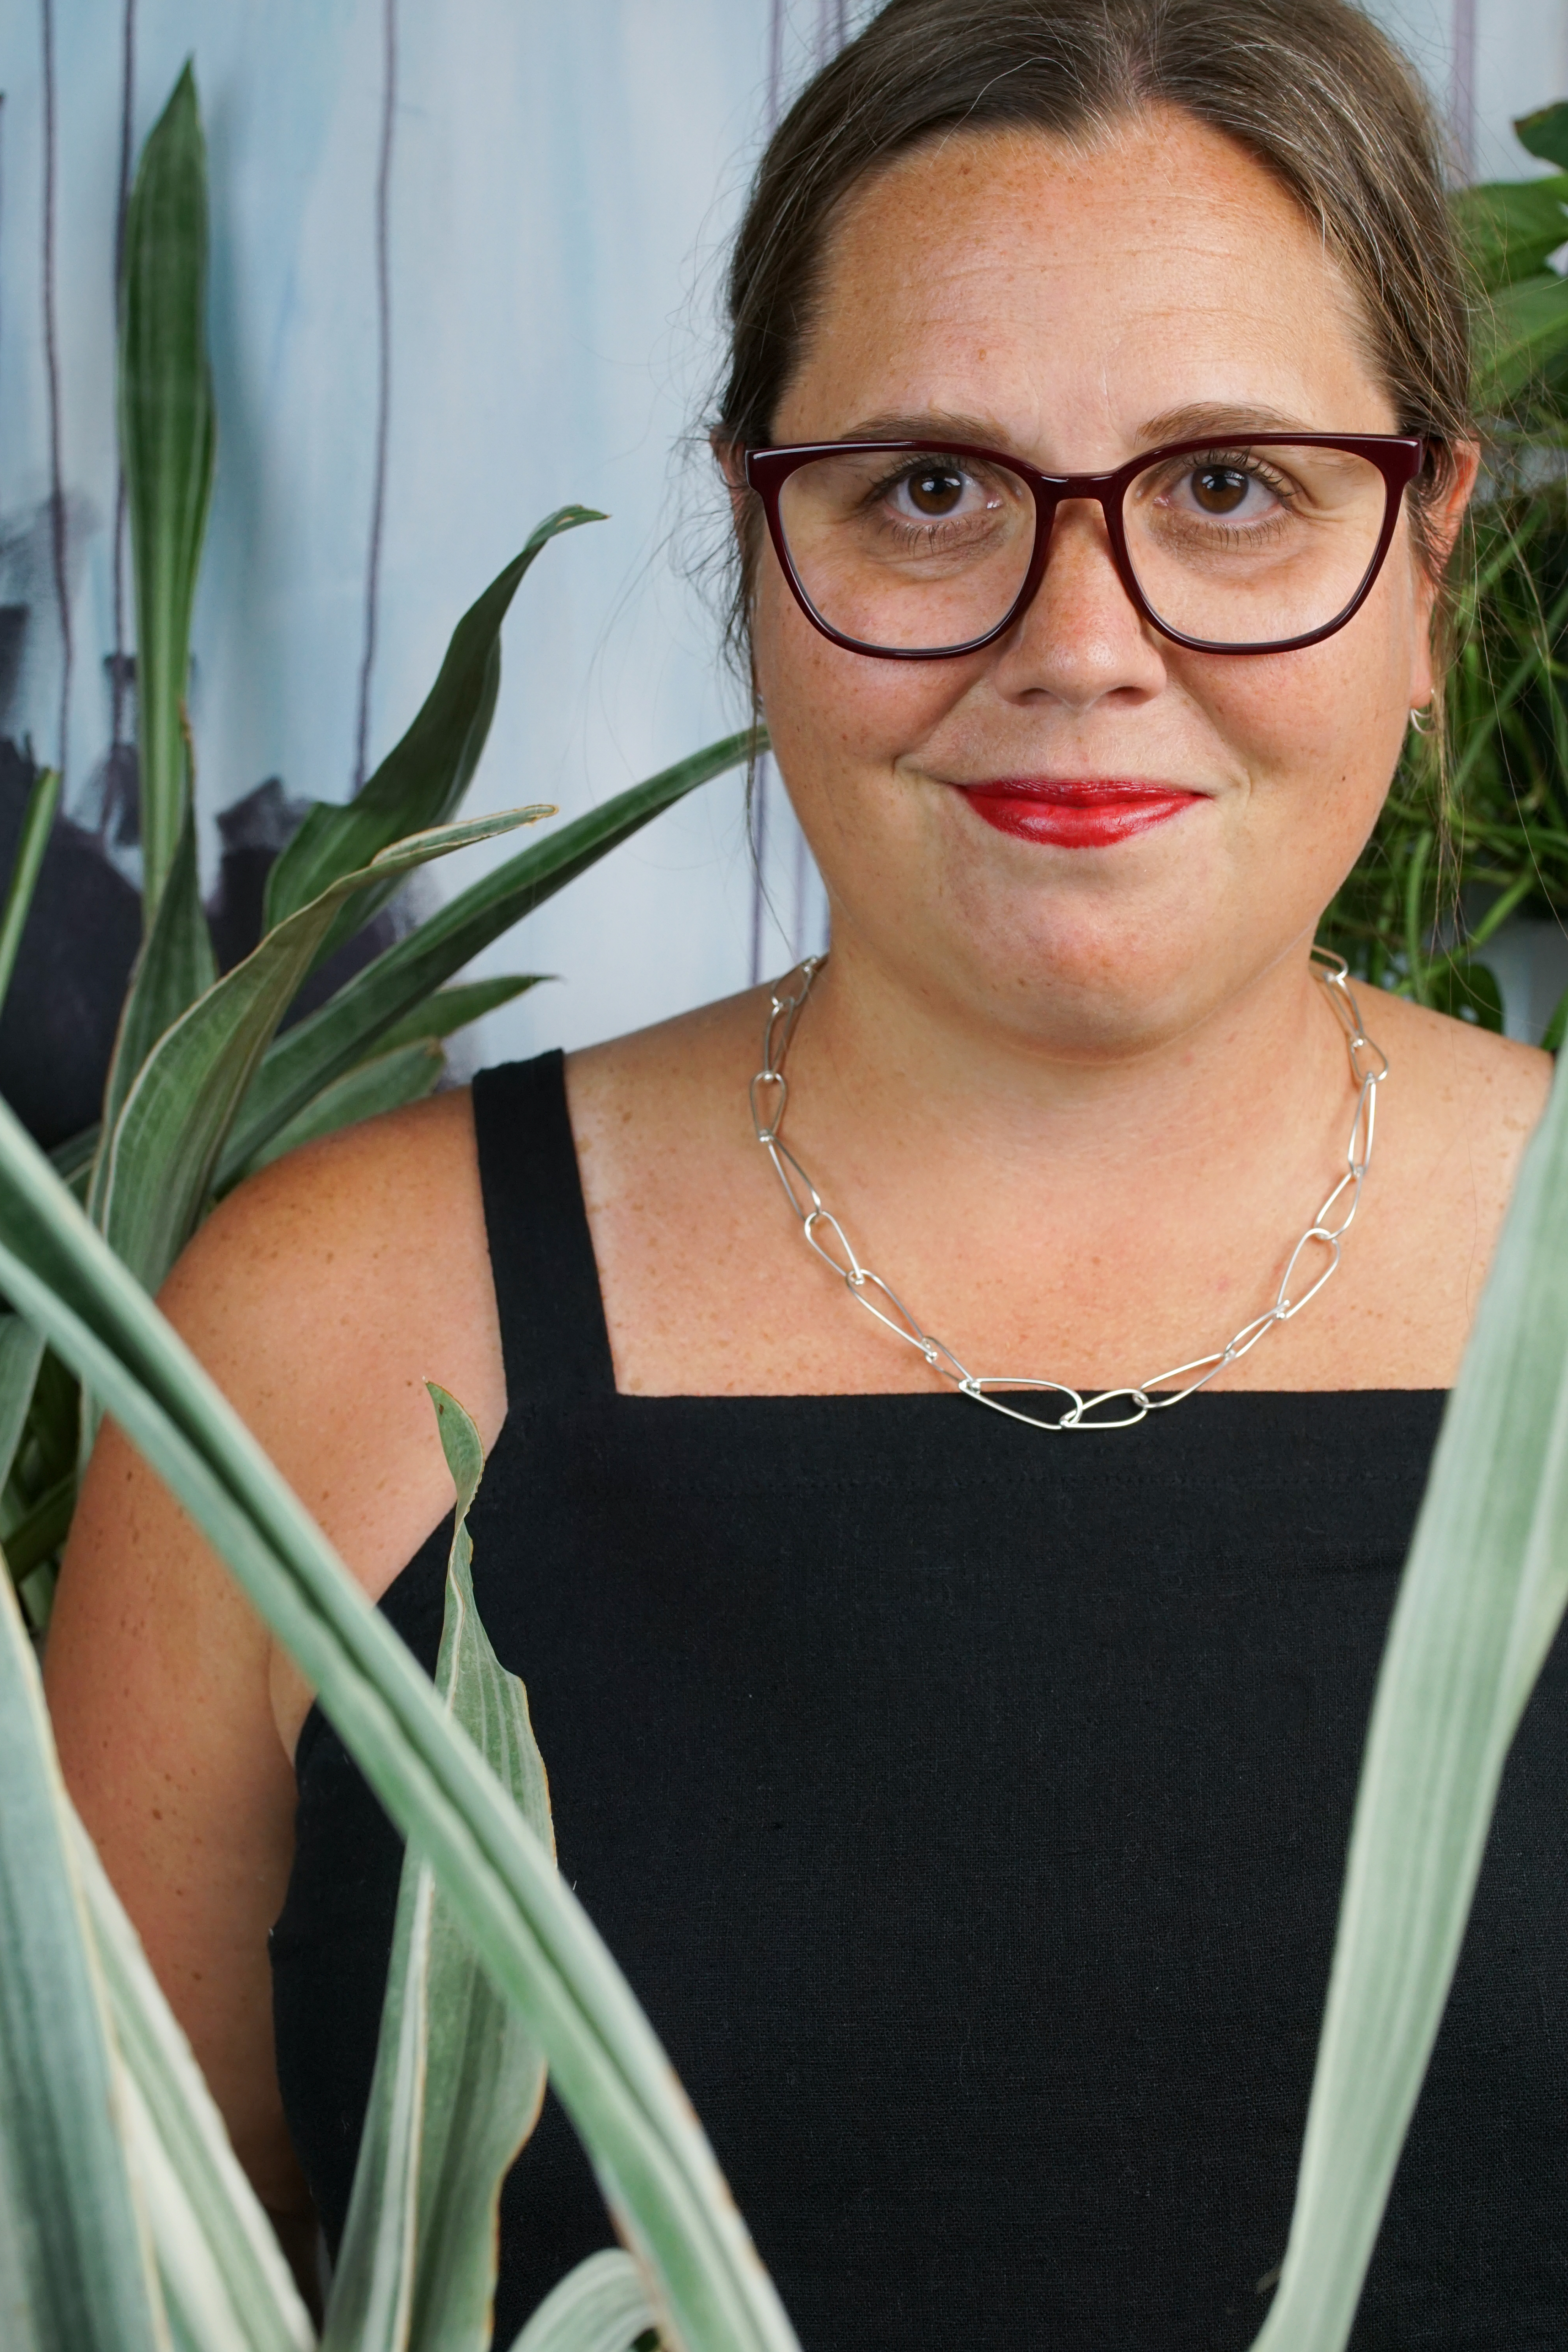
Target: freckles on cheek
[[830, 711], [1308, 725]]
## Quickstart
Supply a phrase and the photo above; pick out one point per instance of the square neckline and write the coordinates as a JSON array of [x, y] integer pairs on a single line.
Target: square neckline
[[549, 1296]]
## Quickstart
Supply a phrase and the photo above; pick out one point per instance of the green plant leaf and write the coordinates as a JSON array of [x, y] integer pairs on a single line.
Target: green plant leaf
[[1525, 337], [330, 1041], [1466, 988], [176, 965], [227, 2286], [534, 1940], [1481, 1597], [43, 1529], [384, 1083], [459, 2080], [37, 822], [422, 779], [1557, 1026], [21, 1353], [1509, 228], [451, 1009], [601, 2306], [72, 1159], [167, 437], [159, 1161], [76, 2268], [37, 1502], [1546, 134]]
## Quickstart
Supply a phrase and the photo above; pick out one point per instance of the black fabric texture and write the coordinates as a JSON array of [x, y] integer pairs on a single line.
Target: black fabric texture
[[968, 1807]]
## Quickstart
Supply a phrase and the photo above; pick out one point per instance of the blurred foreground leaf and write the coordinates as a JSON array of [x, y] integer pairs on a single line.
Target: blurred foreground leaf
[[459, 2080], [225, 2283], [601, 2306], [75, 2267], [1480, 1601], [652, 2164]]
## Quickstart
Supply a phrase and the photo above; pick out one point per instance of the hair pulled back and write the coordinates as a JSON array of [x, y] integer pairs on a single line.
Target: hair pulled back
[[1311, 89]]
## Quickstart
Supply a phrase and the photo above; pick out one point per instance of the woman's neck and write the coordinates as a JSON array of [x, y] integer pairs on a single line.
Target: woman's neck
[[978, 1103]]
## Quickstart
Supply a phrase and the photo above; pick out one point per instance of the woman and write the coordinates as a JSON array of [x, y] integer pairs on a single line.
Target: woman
[[966, 1800]]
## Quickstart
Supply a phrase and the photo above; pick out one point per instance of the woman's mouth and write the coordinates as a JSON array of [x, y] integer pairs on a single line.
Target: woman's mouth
[[1081, 812]]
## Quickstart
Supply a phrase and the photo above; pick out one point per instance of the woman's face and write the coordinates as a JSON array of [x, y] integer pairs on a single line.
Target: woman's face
[[1075, 309]]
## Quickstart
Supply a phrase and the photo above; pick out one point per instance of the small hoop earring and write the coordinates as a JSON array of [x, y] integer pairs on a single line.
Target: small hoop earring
[[1424, 711]]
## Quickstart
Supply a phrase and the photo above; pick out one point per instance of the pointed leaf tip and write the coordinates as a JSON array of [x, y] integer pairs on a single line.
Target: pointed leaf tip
[[1546, 134], [422, 780], [412, 848], [461, 1443]]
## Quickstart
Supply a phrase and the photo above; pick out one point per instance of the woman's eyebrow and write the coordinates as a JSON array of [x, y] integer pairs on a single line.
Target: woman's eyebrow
[[1218, 416], [939, 427], [934, 426]]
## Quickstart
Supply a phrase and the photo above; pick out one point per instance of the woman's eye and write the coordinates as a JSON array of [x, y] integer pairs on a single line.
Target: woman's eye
[[1227, 492], [935, 491], [1220, 489]]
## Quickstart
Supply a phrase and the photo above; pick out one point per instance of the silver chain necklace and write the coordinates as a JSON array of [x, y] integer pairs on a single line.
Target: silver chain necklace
[[770, 1095]]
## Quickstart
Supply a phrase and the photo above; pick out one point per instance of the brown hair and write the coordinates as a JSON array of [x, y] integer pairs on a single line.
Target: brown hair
[[1311, 88]]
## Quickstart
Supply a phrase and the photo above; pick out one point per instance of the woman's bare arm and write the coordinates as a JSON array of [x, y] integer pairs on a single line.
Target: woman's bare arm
[[321, 1296]]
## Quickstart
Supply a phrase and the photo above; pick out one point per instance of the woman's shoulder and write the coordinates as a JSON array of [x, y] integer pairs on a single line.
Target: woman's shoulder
[[389, 1208], [324, 1292], [1462, 1079], [1460, 1109], [684, 1052]]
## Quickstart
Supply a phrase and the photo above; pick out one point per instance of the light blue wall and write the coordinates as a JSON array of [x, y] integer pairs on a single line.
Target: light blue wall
[[1489, 61], [561, 180]]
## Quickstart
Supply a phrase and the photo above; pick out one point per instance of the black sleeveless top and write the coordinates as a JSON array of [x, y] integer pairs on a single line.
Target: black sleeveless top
[[968, 1807]]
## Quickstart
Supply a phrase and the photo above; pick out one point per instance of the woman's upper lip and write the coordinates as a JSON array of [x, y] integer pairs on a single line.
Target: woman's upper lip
[[1081, 789]]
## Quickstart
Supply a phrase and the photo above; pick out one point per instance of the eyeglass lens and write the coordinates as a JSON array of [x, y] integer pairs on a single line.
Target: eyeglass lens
[[1236, 546]]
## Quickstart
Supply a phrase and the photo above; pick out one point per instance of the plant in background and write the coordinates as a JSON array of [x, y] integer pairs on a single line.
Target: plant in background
[[1475, 827], [124, 2220], [205, 1085]]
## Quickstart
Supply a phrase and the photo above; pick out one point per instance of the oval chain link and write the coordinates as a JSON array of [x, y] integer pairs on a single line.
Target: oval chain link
[[827, 1237]]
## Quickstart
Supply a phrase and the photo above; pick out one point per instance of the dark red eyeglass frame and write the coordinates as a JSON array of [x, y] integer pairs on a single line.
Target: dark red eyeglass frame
[[1398, 457]]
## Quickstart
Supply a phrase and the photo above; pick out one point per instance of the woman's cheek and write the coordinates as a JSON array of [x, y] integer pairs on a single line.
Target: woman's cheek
[[1315, 737], [839, 721]]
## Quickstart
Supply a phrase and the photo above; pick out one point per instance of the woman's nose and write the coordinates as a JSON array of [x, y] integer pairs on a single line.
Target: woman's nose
[[1082, 638]]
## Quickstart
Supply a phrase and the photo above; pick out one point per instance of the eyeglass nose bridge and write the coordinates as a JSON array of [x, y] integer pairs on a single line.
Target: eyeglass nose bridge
[[1051, 492]]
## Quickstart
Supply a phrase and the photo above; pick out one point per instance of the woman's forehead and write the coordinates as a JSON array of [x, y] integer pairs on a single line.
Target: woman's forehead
[[1084, 287]]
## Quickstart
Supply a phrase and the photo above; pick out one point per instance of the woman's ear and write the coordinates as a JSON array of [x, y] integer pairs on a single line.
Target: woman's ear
[[730, 459], [1448, 512], [1441, 522]]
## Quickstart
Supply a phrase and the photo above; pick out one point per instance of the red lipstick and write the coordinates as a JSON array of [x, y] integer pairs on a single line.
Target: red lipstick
[[1086, 812]]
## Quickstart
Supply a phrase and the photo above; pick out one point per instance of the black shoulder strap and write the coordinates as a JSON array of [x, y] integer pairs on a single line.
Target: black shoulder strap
[[554, 1340]]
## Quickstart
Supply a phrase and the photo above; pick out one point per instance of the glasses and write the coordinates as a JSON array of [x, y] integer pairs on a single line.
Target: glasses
[[912, 553]]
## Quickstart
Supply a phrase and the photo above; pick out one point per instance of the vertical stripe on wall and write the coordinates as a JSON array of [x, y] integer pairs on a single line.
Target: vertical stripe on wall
[[799, 920], [52, 372], [1462, 86], [117, 672], [384, 384]]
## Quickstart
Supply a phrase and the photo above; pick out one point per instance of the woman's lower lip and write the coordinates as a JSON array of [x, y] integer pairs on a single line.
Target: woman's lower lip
[[1076, 817]]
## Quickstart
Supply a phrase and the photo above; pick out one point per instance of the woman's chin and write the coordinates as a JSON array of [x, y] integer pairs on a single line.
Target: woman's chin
[[1107, 973]]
